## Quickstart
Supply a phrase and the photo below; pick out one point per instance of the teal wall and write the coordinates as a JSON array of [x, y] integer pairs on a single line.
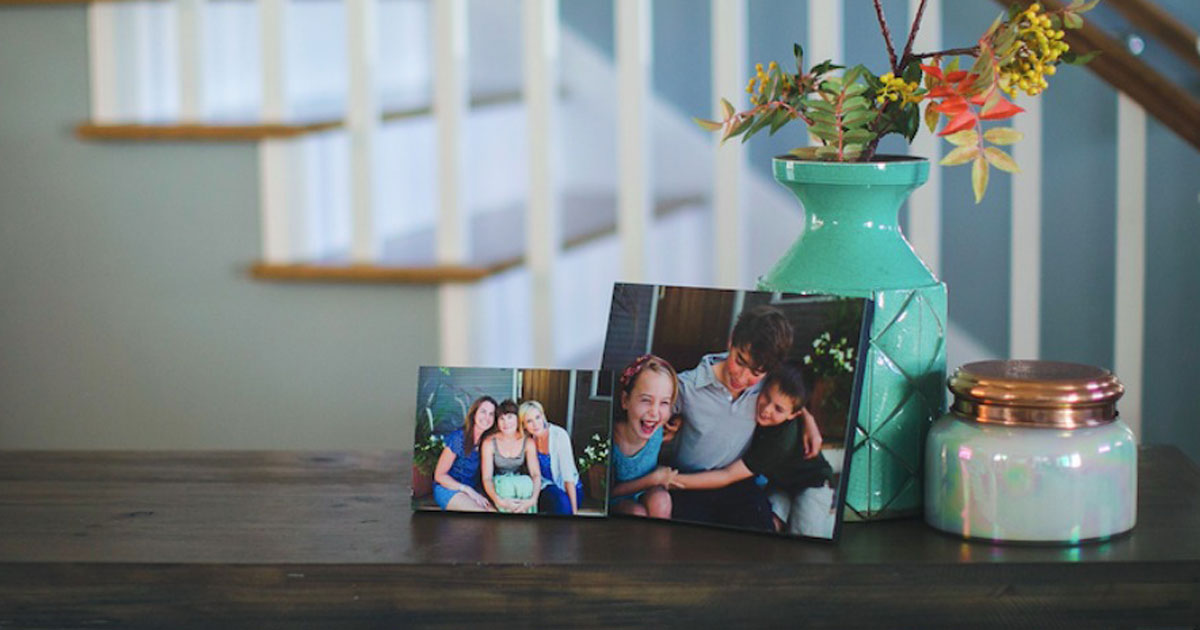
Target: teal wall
[[126, 317]]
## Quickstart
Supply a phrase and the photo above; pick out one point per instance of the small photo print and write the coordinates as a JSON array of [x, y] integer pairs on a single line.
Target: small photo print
[[733, 408], [512, 441]]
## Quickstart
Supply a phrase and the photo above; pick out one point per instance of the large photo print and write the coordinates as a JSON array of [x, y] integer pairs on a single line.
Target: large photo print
[[732, 408], [512, 441]]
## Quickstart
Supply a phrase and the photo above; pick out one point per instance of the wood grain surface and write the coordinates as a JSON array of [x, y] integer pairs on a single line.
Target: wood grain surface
[[289, 539]]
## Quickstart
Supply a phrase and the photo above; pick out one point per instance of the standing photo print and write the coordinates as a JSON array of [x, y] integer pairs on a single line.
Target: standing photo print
[[512, 441], [733, 408]]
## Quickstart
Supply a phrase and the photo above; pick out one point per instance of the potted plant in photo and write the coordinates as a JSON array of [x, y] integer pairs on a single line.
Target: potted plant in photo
[[852, 244], [594, 464], [427, 448], [831, 365]]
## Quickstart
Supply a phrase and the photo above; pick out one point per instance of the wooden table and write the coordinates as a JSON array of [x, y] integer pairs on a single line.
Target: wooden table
[[290, 539]]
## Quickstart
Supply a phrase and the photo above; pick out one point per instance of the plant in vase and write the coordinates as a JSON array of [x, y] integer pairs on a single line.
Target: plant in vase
[[594, 463], [851, 243]]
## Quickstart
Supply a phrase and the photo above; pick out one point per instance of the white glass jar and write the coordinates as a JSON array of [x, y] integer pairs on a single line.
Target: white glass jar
[[1031, 451]]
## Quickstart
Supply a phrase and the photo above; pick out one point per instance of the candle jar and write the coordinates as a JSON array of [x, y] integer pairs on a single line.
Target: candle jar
[[1031, 451]]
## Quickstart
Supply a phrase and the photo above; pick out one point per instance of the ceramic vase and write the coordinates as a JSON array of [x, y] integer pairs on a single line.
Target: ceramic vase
[[851, 245]]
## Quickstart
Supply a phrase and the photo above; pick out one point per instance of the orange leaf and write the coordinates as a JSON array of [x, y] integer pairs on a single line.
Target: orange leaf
[[953, 106], [1002, 109], [933, 71], [941, 91], [962, 121], [956, 76]]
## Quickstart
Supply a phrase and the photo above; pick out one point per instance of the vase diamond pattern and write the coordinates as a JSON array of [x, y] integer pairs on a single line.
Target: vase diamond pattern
[[901, 397]]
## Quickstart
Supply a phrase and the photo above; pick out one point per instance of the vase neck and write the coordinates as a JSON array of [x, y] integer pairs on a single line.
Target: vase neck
[[851, 243]]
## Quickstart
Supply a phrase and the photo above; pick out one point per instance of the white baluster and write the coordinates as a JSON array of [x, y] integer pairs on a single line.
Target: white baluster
[[729, 80], [450, 96], [102, 60], [190, 17], [924, 228], [363, 119], [278, 162], [543, 235], [634, 191], [824, 34], [1025, 266], [1129, 327]]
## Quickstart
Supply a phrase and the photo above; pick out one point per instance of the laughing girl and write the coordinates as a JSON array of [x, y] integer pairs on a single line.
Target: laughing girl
[[648, 388]]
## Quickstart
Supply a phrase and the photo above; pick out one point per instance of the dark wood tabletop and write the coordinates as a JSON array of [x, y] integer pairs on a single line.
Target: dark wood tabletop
[[306, 539]]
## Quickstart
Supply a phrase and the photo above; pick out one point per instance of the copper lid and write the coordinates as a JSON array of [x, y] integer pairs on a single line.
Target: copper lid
[[1036, 393]]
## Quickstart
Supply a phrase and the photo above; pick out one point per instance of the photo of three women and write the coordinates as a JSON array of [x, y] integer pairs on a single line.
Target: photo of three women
[[511, 458]]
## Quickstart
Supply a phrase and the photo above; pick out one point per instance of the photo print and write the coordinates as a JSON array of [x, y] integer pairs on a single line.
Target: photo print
[[733, 408], [512, 441]]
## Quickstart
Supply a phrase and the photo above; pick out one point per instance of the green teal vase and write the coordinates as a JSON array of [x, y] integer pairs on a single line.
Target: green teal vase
[[852, 245]]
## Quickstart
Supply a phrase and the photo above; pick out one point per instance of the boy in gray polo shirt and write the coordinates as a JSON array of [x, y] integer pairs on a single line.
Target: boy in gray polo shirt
[[718, 398]]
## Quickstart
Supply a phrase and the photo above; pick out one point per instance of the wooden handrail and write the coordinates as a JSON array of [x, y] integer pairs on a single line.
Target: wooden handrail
[[1163, 26], [1162, 99]]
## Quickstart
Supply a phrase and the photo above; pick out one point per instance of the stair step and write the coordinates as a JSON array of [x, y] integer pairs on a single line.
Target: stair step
[[251, 131], [499, 246]]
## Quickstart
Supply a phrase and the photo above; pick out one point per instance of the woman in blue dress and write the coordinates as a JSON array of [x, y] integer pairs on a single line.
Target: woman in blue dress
[[561, 488], [456, 478]]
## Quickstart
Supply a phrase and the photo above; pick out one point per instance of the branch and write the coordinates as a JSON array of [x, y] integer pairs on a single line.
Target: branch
[[912, 33], [972, 51], [887, 36]]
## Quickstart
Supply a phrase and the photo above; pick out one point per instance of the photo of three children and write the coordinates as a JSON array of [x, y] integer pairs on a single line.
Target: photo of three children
[[751, 433]]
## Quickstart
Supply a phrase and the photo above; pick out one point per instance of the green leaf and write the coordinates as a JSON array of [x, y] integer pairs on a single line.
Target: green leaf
[[854, 102], [911, 72], [738, 128], [858, 117], [1002, 135], [1001, 160], [823, 67], [827, 152], [708, 125], [819, 105], [979, 178], [780, 118], [799, 52], [805, 153], [1078, 60], [824, 133], [960, 155], [858, 135], [854, 73], [1072, 20], [952, 65], [967, 137], [1087, 6], [856, 89], [823, 117], [760, 122]]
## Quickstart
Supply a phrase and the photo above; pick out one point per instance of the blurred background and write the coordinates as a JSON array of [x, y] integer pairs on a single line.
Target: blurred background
[[246, 224]]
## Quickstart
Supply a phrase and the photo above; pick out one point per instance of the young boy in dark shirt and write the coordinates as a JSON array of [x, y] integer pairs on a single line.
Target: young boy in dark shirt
[[777, 452]]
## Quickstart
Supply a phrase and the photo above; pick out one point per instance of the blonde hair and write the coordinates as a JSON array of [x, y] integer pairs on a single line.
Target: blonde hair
[[524, 409]]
